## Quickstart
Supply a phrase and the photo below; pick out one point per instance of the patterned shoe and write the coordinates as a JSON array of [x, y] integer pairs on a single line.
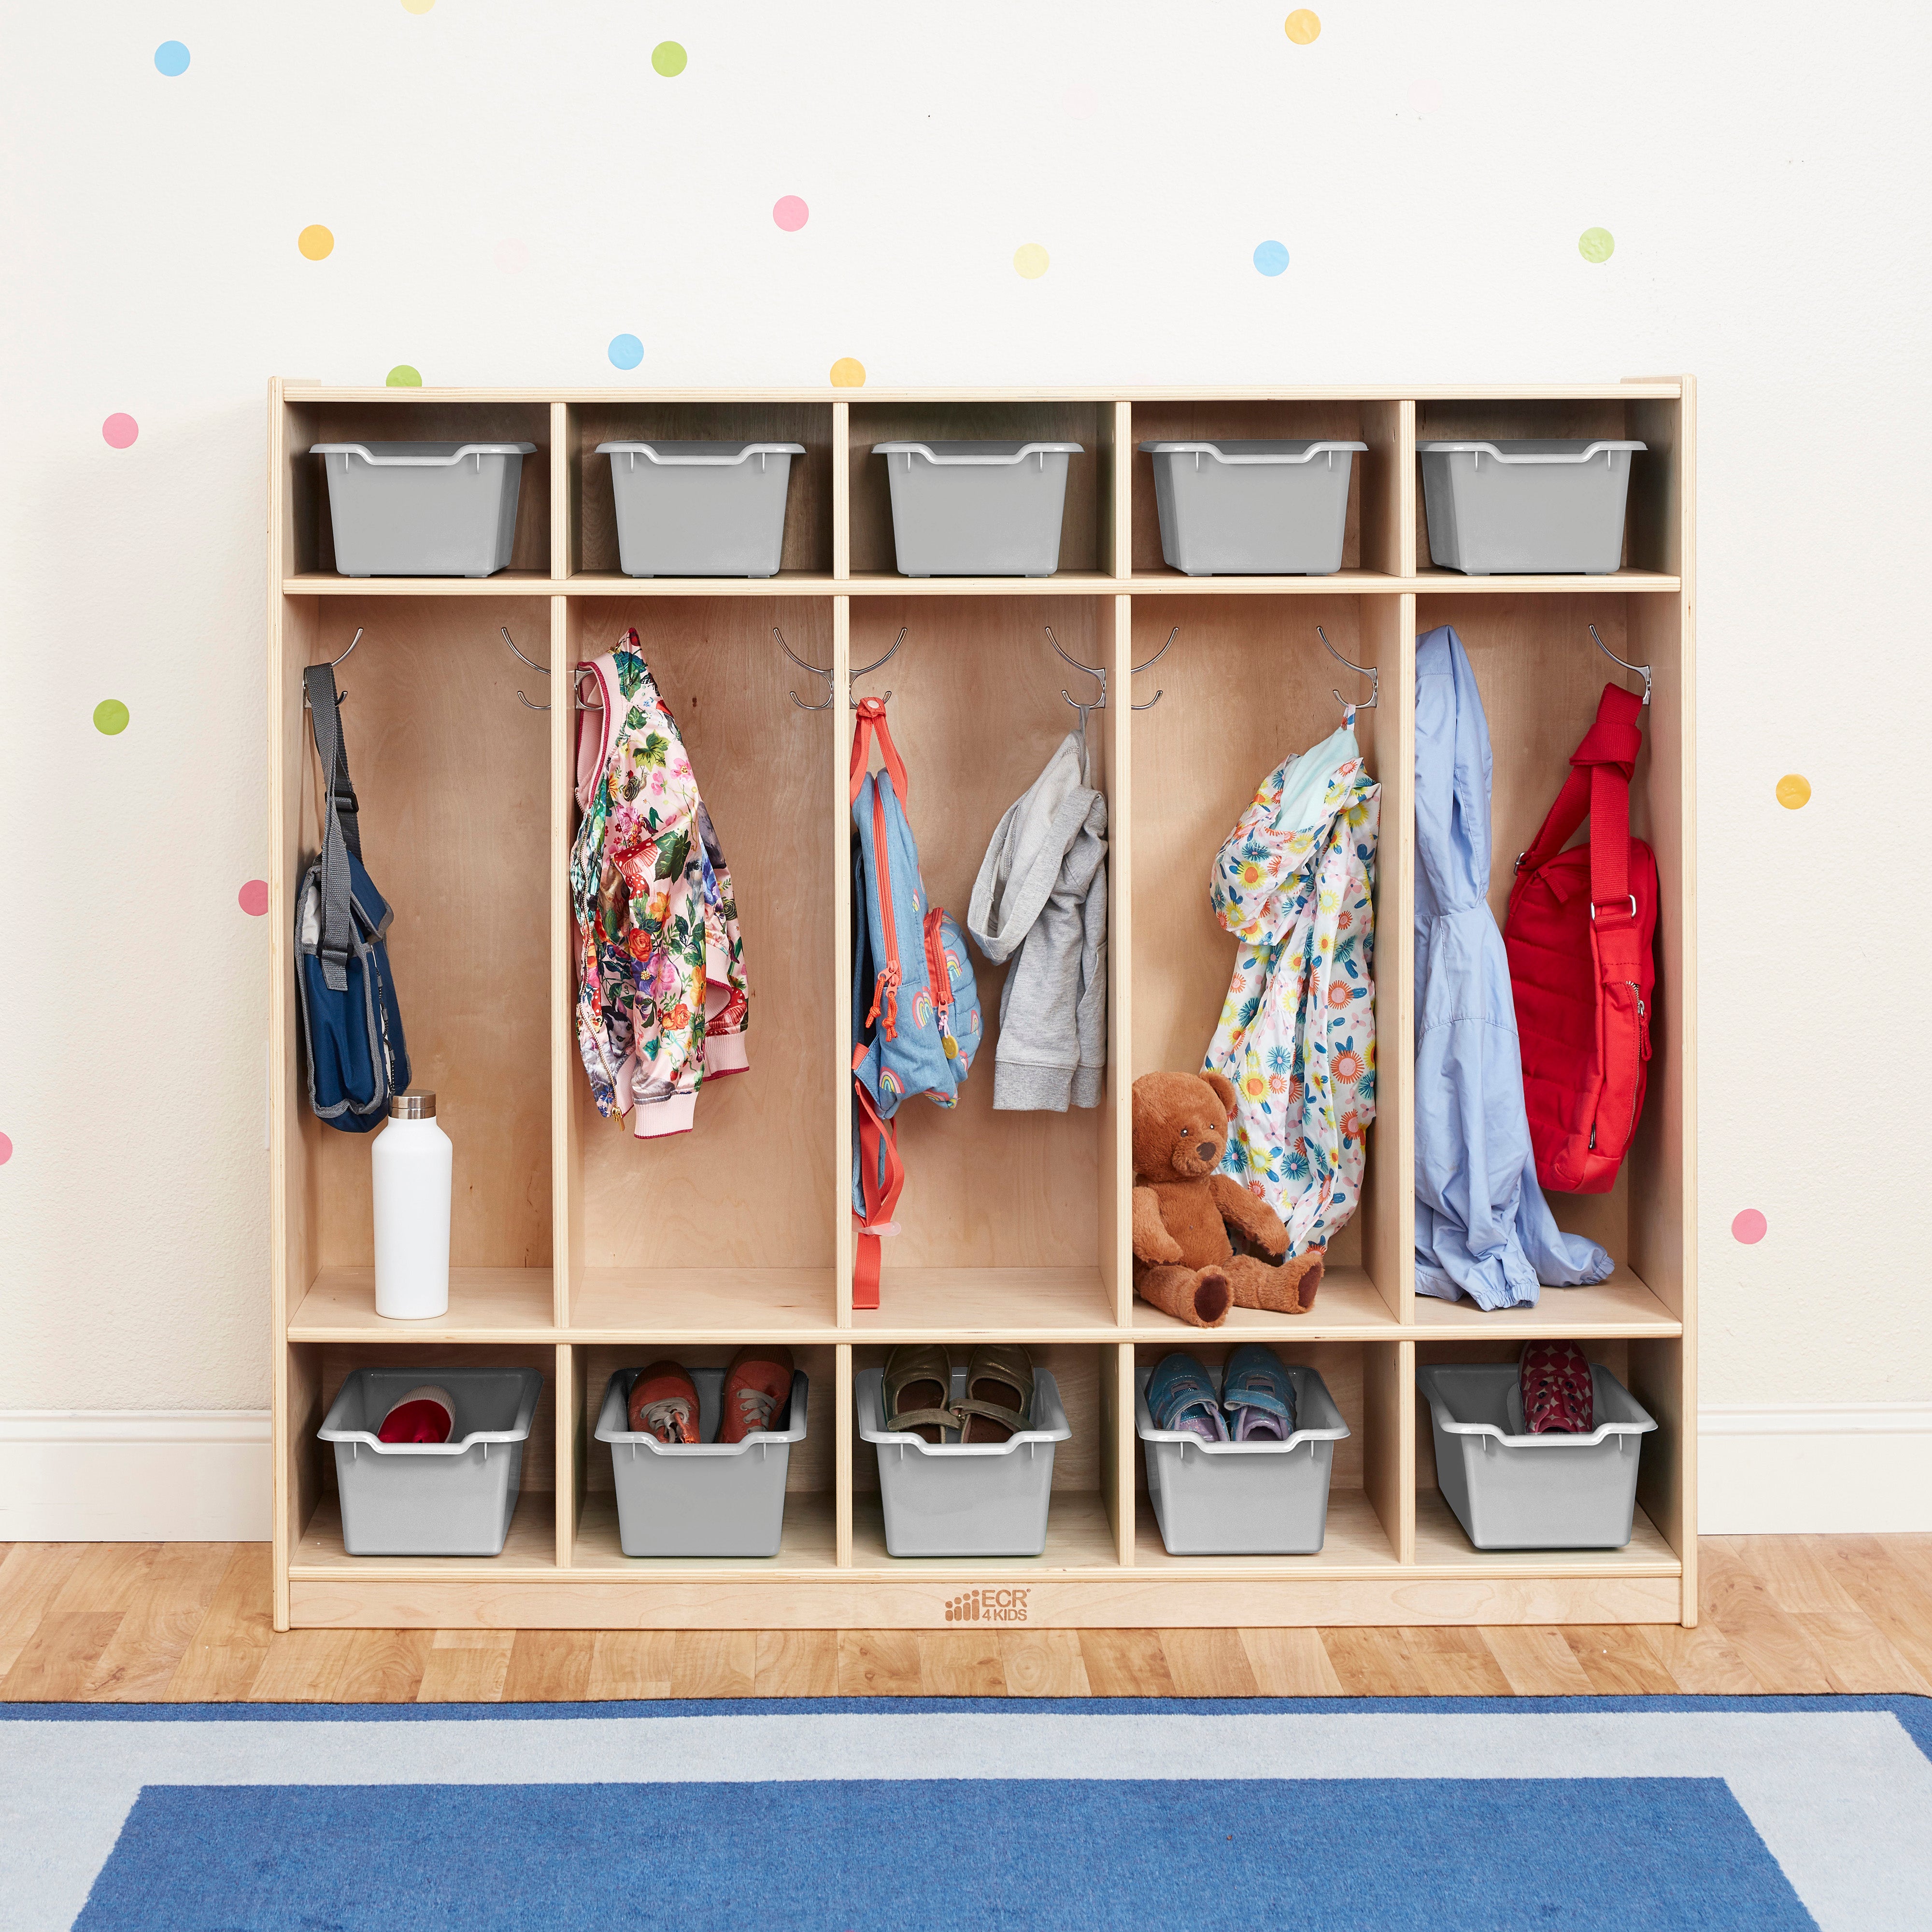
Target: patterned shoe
[[663, 1403], [1258, 1395], [1180, 1396], [757, 1390], [1559, 1392]]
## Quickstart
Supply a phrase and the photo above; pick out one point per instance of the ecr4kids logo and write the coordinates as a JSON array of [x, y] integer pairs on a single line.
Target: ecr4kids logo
[[987, 1607]]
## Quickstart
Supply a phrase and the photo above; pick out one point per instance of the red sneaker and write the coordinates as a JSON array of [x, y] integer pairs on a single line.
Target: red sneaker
[[663, 1403], [757, 1392]]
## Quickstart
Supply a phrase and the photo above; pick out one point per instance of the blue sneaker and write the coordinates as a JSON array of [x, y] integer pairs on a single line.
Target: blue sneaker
[[1180, 1396], [1258, 1395]]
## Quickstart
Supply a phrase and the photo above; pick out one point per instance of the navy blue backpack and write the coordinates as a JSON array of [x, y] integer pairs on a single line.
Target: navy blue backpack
[[351, 1024]]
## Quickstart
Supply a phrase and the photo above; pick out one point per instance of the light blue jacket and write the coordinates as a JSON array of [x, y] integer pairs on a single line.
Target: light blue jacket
[[1482, 1226]]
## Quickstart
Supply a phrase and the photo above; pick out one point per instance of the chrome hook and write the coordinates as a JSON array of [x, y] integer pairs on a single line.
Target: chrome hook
[[1368, 671], [1643, 671], [333, 661], [531, 662], [1149, 666], [816, 670], [862, 671]]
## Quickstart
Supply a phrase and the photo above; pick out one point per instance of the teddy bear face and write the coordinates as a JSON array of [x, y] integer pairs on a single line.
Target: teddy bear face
[[1180, 1125]]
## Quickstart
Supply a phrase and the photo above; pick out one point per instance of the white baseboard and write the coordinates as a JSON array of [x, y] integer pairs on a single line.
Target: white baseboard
[[1806, 1470], [134, 1476]]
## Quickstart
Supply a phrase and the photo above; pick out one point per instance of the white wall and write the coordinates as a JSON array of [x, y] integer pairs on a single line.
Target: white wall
[[510, 187]]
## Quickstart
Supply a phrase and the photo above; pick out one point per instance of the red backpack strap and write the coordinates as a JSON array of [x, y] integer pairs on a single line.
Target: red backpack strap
[[1598, 787], [877, 1139], [871, 718]]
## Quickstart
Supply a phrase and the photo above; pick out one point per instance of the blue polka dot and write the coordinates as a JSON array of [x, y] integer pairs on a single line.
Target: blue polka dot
[[1271, 257], [171, 58], [626, 351]]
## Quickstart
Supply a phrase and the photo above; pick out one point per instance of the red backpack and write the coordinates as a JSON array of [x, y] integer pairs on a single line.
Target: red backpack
[[1580, 933]]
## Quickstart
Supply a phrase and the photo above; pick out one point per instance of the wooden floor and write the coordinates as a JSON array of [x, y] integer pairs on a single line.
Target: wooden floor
[[190, 1621]]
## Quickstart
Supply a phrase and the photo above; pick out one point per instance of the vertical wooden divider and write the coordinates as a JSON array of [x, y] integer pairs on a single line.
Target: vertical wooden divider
[[841, 1010], [1388, 1440], [842, 491], [1117, 1177], [842, 1449], [282, 861], [566, 1169], [569, 1491]]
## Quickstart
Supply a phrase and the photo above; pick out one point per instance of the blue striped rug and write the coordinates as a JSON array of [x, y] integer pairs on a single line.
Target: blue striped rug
[[898, 1815]]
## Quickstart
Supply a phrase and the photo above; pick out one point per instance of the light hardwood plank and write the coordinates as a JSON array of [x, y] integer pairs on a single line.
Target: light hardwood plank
[[1857, 1656], [466, 1667], [1734, 1598], [60, 1656], [1799, 1573], [549, 1666], [1044, 1663], [1207, 1663], [878, 1663], [1701, 1661], [1373, 1662], [1879, 1573], [1290, 1664], [960, 1664], [631, 1663], [303, 1666], [156, 1629], [1126, 1663], [224, 1655], [1618, 1662], [1536, 1661], [108, 1576], [1454, 1662], [384, 1667], [797, 1663], [32, 1575], [714, 1663]]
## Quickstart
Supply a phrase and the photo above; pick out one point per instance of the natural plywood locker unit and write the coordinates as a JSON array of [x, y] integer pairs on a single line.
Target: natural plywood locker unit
[[581, 1251]]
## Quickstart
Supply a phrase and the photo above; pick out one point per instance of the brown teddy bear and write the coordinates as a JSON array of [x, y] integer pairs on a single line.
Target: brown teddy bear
[[1184, 1263]]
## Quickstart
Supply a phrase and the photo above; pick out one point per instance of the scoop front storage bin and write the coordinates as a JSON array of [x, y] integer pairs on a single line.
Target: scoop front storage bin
[[699, 509], [951, 1498], [453, 1499], [1512, 1490], [1254, 507], [707, 1499], [977, 509], [423, 509], [1243, 1498], [1541, 505]]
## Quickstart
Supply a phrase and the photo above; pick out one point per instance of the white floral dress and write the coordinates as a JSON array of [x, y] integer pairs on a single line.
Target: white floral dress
[[1294, 883]]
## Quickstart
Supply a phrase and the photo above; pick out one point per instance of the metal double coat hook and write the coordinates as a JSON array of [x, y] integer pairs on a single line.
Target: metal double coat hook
[[820, 670], [333, 661]]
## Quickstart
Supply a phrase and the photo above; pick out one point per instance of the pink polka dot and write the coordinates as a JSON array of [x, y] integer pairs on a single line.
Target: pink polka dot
[[253, 898], [120, 431], [789, 213], [6, 1150], [1749, 1227]]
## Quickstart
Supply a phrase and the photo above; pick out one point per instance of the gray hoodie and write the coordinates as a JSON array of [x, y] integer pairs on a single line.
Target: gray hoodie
[[1042, 894]]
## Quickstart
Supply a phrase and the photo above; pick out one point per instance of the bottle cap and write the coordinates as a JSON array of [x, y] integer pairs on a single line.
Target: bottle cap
[[413, 1106]]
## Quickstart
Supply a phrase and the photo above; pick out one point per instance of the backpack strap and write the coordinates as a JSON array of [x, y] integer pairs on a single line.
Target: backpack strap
[[1598, 787], [878, 1145], [871, 718], [340, 834]]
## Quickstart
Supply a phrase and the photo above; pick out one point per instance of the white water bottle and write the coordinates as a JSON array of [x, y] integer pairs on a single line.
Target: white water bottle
[[411, 1165]]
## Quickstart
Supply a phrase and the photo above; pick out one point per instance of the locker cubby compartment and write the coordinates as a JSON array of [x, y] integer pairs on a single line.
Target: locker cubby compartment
[[1080, 1533], [1004, 1218], [728, 1228], [1086, 530], [593, 550], [810, 1540], [1653, 512], [316, 1372], [1245, 683], [1540, 677], [452, 774], [1652, 1371], [1365, 1479], [1373, 543], [306, 540]]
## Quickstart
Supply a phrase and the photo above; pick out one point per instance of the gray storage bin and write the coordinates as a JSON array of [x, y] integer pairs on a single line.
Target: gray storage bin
[[705, 1498], [977, 509], [422, 509], [1512, 1490], [1243, 1498], [1540, 505], [1261, 508], [453, 1499], [951, 1499], [699, 509]]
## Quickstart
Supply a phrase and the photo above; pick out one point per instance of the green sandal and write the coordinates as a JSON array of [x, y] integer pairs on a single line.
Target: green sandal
[[918, 1389], [999, 1393]]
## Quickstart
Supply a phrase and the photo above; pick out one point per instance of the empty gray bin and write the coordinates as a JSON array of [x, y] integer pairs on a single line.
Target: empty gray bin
[[977, 509], [1243, 1498], [1257, 508], [422, 509], [951, 1499], [706, 1499], [1512, 1490], [1539, 506], [453, 1499], [699, 509]]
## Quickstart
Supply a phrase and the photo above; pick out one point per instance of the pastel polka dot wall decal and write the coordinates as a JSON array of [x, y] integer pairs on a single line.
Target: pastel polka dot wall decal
[[1596, 244], [418, 6], [668, 58], [791, 213], [1030, 260], [253, 898], [1078, 102], [1425, 97], [6, 1150], [119, 431], [1271, 257], [1749, 1227], [110, 717], [316, 241], [626, 351], [402, 376], [1302, 25], [171, 58], [513, 256], [1794, 791], [848, 373]]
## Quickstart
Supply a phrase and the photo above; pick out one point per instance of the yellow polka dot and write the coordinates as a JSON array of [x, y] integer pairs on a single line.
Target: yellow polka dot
[[848, 373], [418, 6], [1793, 791], [1030, 260], [315, 241], [1302, 25]]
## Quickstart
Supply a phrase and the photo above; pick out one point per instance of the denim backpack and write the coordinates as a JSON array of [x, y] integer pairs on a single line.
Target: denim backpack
[[350, 1021], [915, 1004]]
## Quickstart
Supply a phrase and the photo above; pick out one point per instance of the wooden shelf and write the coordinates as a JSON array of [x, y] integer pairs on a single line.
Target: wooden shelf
[[1442, 1549], [1621, 1305], [531, 1546], [810, 1542], [504, 583], [1062, 584], [1355, 1544], [723, 1304], [1429, 582], [1348, 1308], [1079, 1540], [1337, 583], [1021, 1304], [485, 1305], [786, 584]]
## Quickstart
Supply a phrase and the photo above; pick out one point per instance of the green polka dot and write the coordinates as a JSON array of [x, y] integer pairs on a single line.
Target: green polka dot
[[110, 717], [1596, 244], [668, 58], [402, 376]]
